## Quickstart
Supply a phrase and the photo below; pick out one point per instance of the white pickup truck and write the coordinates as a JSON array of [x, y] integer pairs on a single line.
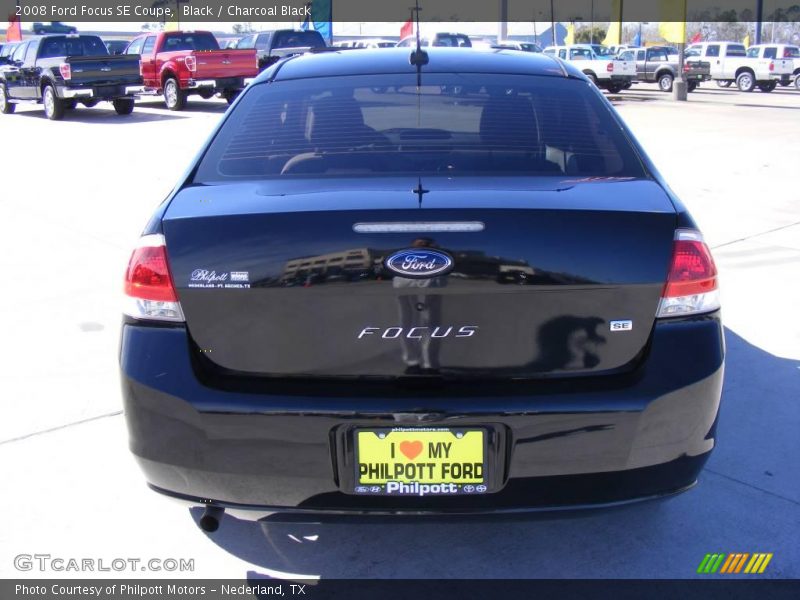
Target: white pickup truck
[[607, 72], [789, 52], [730, 62]]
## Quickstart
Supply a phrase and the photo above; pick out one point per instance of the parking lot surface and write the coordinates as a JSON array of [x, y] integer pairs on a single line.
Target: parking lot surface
[[76, 194]]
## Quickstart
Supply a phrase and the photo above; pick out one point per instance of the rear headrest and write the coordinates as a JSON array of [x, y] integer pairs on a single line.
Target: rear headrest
[[509, 122], [334, 118]]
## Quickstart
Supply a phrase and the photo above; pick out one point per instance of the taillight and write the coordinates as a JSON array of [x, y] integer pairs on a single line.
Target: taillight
[[66, 71], [149, 291], [771, 66], [686, 68], [610, 67], [691, 286], [191, 63]]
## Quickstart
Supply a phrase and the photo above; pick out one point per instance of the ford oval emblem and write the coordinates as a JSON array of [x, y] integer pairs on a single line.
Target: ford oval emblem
[[419, 263]]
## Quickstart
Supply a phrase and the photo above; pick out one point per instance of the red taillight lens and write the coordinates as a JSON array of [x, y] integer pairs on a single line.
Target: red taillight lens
[[148, 275], [686, 67], [771, 66], [191, 63], [692, 270], [148, 283], [610, 67], [691, 286], [65, 70]]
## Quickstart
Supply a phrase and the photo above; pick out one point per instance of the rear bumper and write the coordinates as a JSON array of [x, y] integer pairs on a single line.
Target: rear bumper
[[218, 85], [101, 93], [587, 442]]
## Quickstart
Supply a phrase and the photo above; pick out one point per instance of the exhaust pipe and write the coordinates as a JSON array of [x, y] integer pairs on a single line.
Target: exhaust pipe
[[212, 515]]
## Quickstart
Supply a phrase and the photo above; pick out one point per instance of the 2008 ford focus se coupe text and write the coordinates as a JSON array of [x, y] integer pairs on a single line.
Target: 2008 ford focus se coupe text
[[450, 284]]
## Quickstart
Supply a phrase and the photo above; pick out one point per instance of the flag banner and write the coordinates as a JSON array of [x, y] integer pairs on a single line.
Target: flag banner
[[173, 24], [407, 29], [570, 39], [614, 33], [14, 29], [673, 31], [295, 11], [322, 16]]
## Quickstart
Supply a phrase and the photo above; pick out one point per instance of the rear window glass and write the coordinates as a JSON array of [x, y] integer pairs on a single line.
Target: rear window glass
[[736, 50], [580, 54], [791, 52], [298, 39], [190, 41], [452, 40], [455, 125], [85, 45]]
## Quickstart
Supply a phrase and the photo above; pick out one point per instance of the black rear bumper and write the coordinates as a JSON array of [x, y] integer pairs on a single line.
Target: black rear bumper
[[565, 444]]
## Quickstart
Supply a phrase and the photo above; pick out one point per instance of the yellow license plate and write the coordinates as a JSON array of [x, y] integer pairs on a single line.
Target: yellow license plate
[[420, 461]]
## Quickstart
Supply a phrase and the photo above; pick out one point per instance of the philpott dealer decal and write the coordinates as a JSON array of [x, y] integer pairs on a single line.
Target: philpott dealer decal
[[204, 278]]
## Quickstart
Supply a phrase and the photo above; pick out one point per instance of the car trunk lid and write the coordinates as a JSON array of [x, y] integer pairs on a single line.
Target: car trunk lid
[[551, 277]]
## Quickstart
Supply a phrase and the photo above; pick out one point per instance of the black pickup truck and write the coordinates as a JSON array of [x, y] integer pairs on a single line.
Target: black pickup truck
[[58, 71], [271, 46]]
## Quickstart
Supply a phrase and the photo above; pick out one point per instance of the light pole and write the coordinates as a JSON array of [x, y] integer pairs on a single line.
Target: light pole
[[641, 42]]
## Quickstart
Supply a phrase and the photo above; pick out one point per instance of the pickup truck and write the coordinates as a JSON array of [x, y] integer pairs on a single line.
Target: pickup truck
[[54, 27], [271, 46], [657, 65], [780, 51], [58, 71], [730, 63], [6, 51], [609, 73], [180, 63]]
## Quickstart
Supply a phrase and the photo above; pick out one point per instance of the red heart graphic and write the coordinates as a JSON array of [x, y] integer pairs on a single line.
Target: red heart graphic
[[411, 449]]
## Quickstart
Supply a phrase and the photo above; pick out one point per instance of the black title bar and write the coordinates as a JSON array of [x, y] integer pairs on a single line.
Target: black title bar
[[399, 10]]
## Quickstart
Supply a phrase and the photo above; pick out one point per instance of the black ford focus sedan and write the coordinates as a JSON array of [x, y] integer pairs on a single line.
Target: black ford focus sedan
[[450, 282]]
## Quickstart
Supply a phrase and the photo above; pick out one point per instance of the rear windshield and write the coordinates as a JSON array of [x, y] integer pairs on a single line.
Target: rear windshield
[[298, 39], [580, 54], [736, 50], [791, 52], [456, 40], [85, 45], [190, 41], [456, 125]]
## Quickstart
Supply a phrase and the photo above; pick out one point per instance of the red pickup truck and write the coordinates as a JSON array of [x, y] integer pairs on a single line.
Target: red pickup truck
[[180, 63]]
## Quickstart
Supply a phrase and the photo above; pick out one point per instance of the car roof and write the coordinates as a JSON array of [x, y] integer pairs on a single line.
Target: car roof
[[333, 62]]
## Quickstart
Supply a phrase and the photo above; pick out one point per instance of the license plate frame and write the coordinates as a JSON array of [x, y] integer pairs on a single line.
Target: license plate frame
[[424, 475]]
